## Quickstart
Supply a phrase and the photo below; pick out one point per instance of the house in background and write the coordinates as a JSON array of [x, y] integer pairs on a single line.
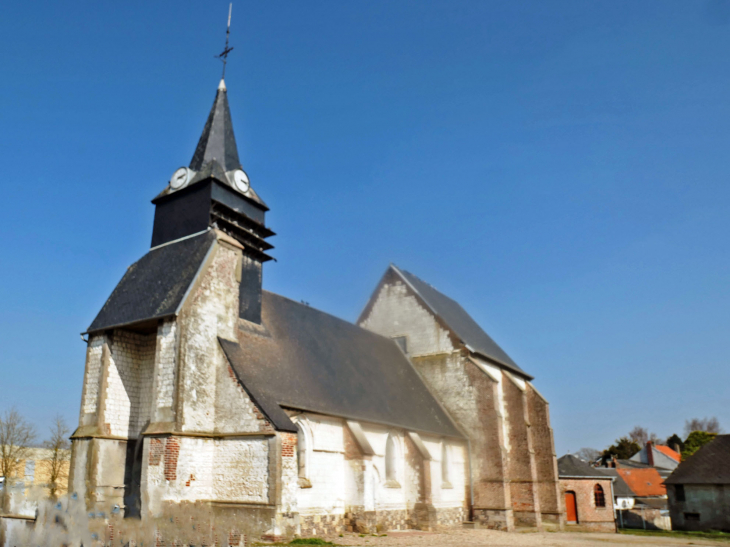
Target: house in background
[[649, 510], [657, 455], [699, 489], [31, 483], [588, 495]]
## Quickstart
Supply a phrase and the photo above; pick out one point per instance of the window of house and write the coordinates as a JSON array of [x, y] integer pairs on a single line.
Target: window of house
[[391, 460], [599, 496], [692, 516], [402, 342], [679, 492], [445, 466]]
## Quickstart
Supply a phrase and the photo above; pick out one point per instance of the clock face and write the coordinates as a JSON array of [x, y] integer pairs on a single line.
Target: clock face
[[180, 178], [240, 179]]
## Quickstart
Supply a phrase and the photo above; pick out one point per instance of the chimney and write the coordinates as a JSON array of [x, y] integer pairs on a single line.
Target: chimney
[[649, 453]]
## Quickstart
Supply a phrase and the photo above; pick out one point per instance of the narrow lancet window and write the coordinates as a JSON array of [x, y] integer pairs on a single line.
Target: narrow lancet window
[[599, 496], [445, 466], [390, 460]]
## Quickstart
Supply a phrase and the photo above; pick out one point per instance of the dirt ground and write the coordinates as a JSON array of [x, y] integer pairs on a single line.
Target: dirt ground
[[491, 538]]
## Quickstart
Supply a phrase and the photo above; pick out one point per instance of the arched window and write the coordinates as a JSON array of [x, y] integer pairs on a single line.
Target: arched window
[[391, 458], [301, 451], [445, 466], [599, 496]]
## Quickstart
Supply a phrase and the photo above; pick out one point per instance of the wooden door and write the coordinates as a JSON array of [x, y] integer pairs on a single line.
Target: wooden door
[[571, 509]]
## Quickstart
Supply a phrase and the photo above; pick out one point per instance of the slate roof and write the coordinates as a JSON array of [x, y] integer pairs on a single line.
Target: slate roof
[[308, 360], [573, 467], [155, 285], [217, 142], [460, 322], [709, 465], [644, 482], [216, 156]]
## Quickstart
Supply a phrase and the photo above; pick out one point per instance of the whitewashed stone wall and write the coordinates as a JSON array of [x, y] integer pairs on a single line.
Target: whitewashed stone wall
[[129, 381], [165, 370], [338, 484], [211, 311], [396, 312], [93, 374], [241, 470]]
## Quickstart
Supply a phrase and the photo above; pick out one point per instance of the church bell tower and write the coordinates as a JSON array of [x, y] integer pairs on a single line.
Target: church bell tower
[[215, 192]]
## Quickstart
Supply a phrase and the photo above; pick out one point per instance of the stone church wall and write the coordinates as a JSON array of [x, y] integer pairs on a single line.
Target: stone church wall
[[347, 491], [543, 445], [129, 380], [513, 461]]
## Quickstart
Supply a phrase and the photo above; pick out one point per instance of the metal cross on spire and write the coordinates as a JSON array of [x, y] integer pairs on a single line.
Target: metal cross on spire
[[224, 56]]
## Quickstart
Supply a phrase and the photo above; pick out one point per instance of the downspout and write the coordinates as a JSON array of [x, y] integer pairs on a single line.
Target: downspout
[[471, 483], [613, 503]]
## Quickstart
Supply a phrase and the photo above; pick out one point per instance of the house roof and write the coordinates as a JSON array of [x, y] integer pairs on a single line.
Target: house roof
[[574, 467], [709, 465], [155, 285], [302, 358], [644, 482], [620, 488], [668, 452], [460, 322]]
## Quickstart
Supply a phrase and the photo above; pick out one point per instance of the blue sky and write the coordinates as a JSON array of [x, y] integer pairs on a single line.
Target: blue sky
[[559, 168]]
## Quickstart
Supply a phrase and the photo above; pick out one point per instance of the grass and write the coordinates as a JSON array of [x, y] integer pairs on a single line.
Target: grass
[[297, 541], [711, 534]]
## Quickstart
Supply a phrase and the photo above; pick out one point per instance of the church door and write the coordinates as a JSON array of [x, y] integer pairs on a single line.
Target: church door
[[571, 509]]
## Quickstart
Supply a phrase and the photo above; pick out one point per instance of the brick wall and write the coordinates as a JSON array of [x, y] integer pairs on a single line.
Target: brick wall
[[590, 517], [545, 460]]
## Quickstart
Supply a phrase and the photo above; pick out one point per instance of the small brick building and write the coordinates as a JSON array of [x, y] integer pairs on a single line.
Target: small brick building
[[587, 494], [272, 418]]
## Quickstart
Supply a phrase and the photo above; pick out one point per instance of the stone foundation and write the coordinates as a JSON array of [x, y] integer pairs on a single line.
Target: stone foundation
[[495, 519], [322, 525]]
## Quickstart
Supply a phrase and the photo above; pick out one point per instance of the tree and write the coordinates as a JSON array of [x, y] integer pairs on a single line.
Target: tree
[[675, 442], [621, 449], [58, 444], [695, 441], [588, 454], [640, 435], [710, 425], [16, 437]]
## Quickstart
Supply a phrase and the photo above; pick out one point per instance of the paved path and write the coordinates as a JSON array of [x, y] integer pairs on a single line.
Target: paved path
[[491, 538]]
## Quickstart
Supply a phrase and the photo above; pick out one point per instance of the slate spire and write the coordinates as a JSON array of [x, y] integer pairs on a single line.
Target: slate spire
[[217, 143]]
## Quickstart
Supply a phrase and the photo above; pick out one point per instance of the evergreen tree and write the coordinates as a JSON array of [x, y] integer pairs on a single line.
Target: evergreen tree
[[695, 441], [621, 449]]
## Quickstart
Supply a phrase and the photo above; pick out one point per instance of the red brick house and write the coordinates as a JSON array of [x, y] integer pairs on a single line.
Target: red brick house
[[587, 494]]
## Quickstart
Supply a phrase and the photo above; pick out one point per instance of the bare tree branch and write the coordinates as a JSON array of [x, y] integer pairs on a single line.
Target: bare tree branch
[[58, 444], [589, 455], [709, 425], [16, 437]]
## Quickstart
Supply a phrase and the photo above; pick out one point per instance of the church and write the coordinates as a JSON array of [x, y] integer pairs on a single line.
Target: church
[[204, 393]]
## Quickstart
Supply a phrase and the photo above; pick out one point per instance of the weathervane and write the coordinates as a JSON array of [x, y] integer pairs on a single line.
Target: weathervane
[[224, 56]]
